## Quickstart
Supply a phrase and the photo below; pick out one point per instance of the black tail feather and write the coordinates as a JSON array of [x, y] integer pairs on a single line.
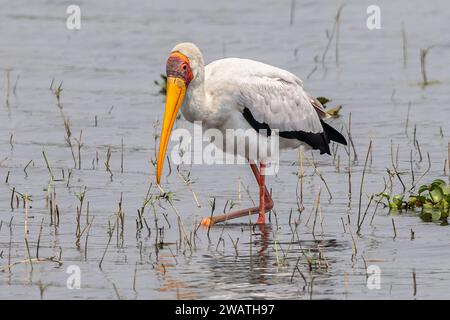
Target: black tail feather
[[317, 141], [333, 134]]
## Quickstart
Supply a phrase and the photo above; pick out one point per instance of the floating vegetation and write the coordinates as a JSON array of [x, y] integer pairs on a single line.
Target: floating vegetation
[[433, 200]]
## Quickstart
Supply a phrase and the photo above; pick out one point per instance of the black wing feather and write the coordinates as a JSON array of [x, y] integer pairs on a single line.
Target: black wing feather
[[318, 141]]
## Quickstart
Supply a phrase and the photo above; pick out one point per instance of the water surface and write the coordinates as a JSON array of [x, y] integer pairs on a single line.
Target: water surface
[[107, 71]]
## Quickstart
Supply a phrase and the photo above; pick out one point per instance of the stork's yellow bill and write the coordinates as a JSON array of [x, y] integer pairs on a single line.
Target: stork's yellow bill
[[176, 89]]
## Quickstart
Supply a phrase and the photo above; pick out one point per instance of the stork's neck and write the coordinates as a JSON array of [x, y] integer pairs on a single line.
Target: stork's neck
[[195, 105]]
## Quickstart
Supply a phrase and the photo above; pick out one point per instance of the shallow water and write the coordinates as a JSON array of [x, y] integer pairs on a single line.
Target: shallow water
[[108, 68]]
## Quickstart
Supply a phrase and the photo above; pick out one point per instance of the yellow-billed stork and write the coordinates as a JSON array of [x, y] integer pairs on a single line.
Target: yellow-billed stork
[[237, 93]]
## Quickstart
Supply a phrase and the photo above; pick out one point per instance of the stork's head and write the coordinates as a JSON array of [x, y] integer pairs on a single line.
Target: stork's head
[[184, 66]]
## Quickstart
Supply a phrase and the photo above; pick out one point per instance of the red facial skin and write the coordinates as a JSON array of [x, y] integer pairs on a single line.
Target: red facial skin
[[178, 67]]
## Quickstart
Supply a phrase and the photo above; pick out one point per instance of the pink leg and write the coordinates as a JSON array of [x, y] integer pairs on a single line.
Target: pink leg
[[265, 202], [262, 194]]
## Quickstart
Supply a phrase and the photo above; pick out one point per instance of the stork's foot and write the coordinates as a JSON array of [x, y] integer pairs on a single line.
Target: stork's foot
[[206, 222], [268, 205], [265, 203], [210, 221]]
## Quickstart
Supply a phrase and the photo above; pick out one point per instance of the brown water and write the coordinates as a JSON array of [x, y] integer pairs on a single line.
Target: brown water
[[108, 69]]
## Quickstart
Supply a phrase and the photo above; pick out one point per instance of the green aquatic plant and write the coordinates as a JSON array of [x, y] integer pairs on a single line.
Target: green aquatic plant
[[432, 200]]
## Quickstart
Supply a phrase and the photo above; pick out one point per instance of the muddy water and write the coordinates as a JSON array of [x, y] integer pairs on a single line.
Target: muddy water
[[108, 68]]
